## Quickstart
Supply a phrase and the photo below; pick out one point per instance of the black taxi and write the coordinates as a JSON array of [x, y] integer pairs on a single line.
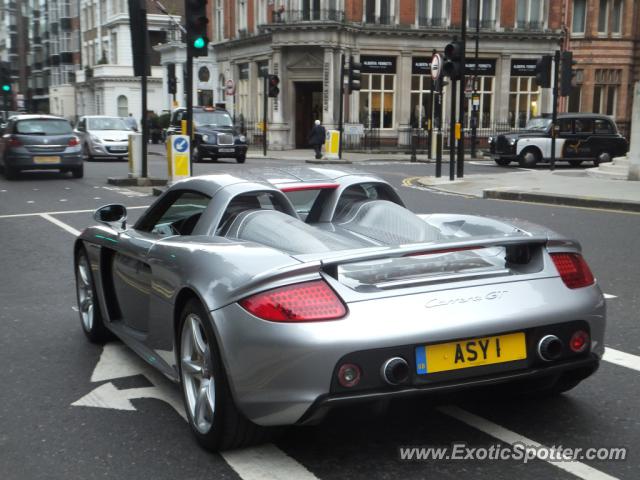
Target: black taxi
[[214, 134], [579, 137]]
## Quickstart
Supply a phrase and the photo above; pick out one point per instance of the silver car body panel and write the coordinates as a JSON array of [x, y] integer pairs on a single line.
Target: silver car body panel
[[278, 370]]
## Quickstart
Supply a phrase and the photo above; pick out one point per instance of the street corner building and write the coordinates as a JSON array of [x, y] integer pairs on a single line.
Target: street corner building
[[302, 41]]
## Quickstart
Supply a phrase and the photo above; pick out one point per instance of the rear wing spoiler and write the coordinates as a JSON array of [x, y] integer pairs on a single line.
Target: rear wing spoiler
[[518, 248]]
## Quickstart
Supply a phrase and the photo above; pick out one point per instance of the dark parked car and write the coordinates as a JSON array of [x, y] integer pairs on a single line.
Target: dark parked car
[[36, 142], [580, 137], [215, 136]]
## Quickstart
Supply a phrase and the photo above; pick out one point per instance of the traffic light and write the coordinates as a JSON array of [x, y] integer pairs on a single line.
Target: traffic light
[[354, 75], [197, 21], [452, 66], [567, 73], [543, 71], [172, 83], [5, 77], [273, 82]]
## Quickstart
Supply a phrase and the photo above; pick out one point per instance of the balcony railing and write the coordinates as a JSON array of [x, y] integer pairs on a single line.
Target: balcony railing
[[530, 26], [433, 22], [384, 19], [485, 23], [311, 15]]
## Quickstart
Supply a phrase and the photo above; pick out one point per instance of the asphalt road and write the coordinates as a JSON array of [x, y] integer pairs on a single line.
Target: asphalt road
[[73, 410]]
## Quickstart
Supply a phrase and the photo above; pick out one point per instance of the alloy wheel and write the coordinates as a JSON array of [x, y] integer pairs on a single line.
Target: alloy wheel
[[85, 293]]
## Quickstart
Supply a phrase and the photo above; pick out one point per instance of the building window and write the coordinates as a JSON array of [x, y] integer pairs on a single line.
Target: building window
[[605, 91], [484, 93], [487, 13], [579, 16], [421, 107], [432, 13], [616, 17], [530, 14], [114, 48], [123, 106], [219, 19], [221, 88], [241, 18], [603, 17], [376, 100], [261, 12], [574, 99], [380, 12], [524, 100]]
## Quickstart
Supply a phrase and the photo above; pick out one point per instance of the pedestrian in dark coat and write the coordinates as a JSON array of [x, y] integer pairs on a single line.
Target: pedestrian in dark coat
[[317, 137]]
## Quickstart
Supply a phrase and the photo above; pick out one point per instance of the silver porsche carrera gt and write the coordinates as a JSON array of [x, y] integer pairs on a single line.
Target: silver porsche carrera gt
[[275, 296]]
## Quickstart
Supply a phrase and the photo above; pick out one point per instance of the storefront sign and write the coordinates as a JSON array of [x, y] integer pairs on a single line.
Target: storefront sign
[[371, 64], [421, 65], [523, 67], [486, 67], [243, 71]]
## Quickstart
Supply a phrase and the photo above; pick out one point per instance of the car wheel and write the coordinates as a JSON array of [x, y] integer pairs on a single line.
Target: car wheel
[[241, 159], [602, 157], [86, 154], [211, 411], [78, 172], [88, 308], [575, 163], [529, 157], [503, 162]]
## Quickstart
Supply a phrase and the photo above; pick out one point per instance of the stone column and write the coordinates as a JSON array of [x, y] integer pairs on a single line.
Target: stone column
[[502, 87], [403, 95], [330, 88], [634, 148], [278, 136]]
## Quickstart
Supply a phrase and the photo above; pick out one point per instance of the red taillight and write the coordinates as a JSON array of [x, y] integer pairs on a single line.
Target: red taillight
[[14, 142], [301, 302], [579, 341], [73, 142], [573, 269]]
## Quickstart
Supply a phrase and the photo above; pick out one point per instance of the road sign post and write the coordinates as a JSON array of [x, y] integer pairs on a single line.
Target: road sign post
[[179, 157]]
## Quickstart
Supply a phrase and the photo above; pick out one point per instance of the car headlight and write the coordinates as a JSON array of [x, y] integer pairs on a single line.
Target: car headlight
[[205, 138], [512, 142], [95, 139], [490, 139], [242, 138]]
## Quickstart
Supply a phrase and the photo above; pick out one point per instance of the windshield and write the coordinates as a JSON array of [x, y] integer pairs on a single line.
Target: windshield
[[112, 123], [43, 127], [538, 124], [212, 119]]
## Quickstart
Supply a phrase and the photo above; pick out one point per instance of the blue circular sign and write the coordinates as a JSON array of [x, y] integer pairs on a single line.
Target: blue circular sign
[[180, 145]]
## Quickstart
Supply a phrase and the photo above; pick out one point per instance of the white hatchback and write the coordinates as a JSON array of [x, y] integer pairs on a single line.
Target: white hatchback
[[103, 136]]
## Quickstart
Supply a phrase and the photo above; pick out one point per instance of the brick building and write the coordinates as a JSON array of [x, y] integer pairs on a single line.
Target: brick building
[[303, 40], [605, 38]]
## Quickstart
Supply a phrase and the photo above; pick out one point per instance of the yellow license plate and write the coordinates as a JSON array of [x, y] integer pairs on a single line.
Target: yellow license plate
[[41, 160], [473, 352]]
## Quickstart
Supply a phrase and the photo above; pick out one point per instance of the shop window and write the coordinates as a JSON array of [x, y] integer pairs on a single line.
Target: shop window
[[579, 16], [377, 100], [421, 106], [484, 92], [524, 98]]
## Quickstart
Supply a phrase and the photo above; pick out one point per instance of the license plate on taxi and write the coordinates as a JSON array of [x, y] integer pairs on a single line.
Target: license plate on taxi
[[48, 159], [473, 352], [227, 150]]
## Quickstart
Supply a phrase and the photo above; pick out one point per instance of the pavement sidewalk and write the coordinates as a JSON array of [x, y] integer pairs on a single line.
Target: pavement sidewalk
[[568, 187], [307, 156]]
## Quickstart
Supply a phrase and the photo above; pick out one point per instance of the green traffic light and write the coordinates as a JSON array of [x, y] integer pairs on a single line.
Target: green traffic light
[[199, 43], [6, 88]]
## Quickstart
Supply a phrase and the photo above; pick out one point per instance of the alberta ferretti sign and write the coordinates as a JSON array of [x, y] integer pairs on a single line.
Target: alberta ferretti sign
[[376, 64]]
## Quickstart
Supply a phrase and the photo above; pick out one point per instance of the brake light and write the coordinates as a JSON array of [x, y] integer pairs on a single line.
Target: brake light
[[300, 302], [14, 142], [573, 269], [73, 142]]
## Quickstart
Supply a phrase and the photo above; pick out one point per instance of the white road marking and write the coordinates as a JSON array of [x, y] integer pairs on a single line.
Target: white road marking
[[622, 359], [30, 201], [63, 199], [266, 462], [126, 192], [96, 198], [62, 225], [2, 191], [608, 296], [60, 212], [576, 468]]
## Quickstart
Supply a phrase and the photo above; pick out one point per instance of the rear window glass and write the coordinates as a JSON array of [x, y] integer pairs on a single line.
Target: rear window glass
[[603, 126], [584, 125], [43, 127]]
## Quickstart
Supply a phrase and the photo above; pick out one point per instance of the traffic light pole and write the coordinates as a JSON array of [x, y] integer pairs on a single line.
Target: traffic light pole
[[340, 119], [463, 98], [143, 79], [438, 122], [265, 105], [188, 84], [474, 107], [554, 120], [452, 131]]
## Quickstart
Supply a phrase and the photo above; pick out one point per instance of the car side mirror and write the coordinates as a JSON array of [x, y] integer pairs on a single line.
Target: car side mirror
[[114, 216]]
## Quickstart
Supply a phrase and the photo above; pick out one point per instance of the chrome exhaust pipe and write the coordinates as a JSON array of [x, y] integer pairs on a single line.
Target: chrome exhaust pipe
[[395, 371], [550, 348]]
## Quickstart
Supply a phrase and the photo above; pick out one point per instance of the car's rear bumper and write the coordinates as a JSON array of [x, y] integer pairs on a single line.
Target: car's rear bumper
[[223, 151], [278, 372], [28, 161]]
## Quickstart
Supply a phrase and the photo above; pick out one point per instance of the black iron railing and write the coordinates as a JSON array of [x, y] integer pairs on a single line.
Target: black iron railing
[[433, 22], [530, 26], [307, 15]]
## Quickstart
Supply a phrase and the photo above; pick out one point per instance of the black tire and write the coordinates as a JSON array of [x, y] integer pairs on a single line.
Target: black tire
[[86, 154], [575, 163], [228, 427], [96, 332], [529, 157], [602, 157], [503, 162], [241, 159], [78, 172]]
